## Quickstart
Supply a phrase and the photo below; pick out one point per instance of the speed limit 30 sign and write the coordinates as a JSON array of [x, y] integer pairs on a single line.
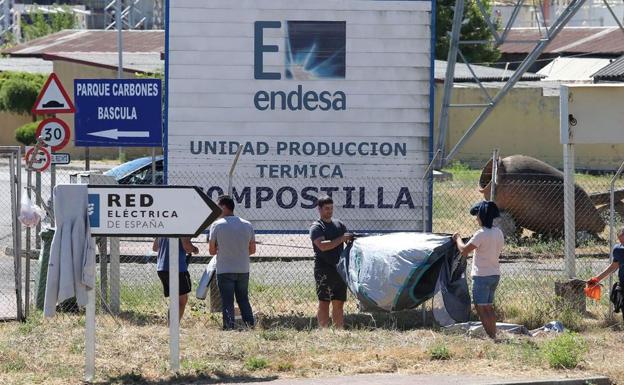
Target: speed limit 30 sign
[[54, 132]]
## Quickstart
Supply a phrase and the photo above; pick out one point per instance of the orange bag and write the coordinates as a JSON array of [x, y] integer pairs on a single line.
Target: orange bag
[[593, 292]]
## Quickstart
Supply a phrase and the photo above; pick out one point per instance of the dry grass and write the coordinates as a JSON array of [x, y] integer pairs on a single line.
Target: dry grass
[[51, 352]]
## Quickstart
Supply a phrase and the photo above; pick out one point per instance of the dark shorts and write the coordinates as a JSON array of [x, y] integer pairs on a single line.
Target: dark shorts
[[329, 284], [185, 282]]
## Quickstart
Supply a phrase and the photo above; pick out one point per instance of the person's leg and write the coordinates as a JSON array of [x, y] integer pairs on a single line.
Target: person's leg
[[185, 288], [322, 292], [482, 296], [322, 314], [338, 314], [226, 289], [183, 301], [488, 319], [241, 290]]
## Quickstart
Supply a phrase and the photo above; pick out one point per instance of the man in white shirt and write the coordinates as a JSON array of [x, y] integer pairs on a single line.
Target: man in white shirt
[[487, 244]]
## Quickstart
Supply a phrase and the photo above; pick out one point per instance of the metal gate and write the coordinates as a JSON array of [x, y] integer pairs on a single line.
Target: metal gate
[[11, 282]]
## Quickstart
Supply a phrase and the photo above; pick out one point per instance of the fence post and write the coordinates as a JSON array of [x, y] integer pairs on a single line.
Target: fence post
[[174, 304], [38, 202], [569, 210], [115, 276], [28, 247], [494, 175], [423, 204]]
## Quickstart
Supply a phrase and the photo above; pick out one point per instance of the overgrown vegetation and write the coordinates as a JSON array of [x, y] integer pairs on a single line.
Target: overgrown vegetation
[[565, 351]]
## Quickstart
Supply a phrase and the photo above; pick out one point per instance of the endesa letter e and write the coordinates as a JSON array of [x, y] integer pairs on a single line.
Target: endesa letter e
[[260, 49]]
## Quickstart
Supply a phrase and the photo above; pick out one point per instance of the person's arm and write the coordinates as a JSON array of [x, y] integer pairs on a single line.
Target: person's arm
[[464, 248], [212, 244], [325, 245], [155, 245], [607, 272], [188, 246], [252, 243]]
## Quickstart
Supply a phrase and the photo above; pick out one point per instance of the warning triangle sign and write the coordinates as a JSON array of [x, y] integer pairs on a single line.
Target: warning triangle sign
[[53, 98]]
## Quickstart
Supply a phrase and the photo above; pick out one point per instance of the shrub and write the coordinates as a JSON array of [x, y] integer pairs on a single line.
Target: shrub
[[26, 133], [439, 352], [565, 351], [18, 95], [256, 363]]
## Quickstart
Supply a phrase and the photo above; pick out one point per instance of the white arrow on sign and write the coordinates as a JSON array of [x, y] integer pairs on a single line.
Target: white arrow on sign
[[156, 211], [116, 134]]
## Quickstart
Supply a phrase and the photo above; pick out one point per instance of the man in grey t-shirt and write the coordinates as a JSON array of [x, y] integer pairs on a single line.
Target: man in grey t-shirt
[[232, 240]]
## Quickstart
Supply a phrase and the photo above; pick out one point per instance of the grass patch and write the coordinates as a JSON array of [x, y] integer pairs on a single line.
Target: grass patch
[[256, 363], [565, 351], [273, 335], [12, 363], [439, 352]]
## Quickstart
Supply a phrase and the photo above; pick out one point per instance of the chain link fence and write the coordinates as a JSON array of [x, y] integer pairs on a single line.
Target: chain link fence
[[281, 276]]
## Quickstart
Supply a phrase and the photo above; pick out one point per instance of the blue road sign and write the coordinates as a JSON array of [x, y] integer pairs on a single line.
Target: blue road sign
[[118, 112]]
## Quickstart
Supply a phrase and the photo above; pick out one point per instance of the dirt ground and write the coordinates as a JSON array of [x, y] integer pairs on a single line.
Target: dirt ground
[[136, 351]]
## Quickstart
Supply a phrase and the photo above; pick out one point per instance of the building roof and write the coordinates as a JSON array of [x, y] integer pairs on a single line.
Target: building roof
[[571, 40], [612, 72], [25, 64], [98, 41], [485, 74], [573, 69], [149, 62]]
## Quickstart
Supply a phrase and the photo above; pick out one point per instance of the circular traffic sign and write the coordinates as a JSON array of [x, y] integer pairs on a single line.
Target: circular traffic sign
[[42, 159], [54, 132]]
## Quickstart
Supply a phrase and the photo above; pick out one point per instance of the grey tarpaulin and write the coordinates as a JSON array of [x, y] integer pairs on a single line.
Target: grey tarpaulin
[[451, 302], [399, 271]]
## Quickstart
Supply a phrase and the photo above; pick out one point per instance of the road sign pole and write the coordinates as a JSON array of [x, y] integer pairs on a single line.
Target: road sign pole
[[174, 304], [118, 7], [90, 333]]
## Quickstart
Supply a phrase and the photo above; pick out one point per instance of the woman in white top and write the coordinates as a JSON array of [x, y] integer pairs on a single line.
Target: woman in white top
[[487, 244]]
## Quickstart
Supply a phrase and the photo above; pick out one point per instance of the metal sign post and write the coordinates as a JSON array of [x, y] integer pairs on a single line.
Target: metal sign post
[[151, 211]]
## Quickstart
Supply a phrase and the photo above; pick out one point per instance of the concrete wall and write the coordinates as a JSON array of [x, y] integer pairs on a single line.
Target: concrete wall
[[10, 122], [525, 122], [67, 72]]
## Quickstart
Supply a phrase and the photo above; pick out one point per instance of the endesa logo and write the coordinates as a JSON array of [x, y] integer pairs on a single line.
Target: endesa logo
[[314, 50]]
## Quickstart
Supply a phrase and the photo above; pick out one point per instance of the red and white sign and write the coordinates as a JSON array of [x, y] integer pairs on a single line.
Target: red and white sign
[[54, 132], [42, 159], [53, 99]]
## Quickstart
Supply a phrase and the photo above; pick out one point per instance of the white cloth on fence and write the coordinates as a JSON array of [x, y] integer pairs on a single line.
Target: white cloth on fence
[[72, 254]]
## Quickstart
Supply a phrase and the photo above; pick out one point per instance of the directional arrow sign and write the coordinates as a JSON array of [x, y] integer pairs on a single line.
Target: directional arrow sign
[[155, 211], [116, 134], [118, 112]]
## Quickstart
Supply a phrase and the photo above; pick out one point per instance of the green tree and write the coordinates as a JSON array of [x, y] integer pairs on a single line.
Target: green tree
[[19, 90], [44, 24], [474, 27]]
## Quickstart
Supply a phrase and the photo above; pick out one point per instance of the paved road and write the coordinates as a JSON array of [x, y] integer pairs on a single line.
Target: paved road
[[394, 379]]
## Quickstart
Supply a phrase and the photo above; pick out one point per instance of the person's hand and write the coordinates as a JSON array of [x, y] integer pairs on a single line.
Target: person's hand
[[347, 237], [195, 250], [593, 281], [455, 237]]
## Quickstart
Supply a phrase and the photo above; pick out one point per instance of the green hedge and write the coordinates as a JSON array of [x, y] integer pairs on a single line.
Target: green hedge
[[26, 133]]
